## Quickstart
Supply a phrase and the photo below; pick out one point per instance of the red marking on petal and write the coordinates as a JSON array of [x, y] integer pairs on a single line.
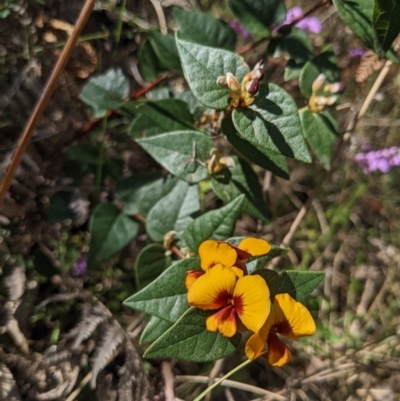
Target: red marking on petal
[[238, 304]]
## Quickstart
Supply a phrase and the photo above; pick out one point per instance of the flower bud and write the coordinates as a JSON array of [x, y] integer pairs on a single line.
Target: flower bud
[[319, 81], [221, 82], [336, 87], [232, 83]]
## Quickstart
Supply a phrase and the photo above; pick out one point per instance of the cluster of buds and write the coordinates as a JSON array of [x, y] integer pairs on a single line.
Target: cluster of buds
[[242, 94], [218, 162], [324, 95]]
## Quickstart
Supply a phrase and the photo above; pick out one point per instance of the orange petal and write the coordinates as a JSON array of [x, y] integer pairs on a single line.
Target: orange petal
[[224, 321], [255, 246], [251, 301], [239, 272], [293, 320], [278, 353], [213, 252], [192, 276], [254, 346], [214, 289]]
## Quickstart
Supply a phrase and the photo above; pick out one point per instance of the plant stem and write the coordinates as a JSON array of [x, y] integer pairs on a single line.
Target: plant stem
[[218, 382], [118, 29]]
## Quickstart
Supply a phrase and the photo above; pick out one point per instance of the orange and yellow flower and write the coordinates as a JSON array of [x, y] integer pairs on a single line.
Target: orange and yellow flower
[[213, 253], [289, 318], [246, 298]]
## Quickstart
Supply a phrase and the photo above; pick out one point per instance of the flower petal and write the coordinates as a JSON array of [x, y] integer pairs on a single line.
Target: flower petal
[[192, 276], [278, 352], [255, 246], [224, 321], [293, 320], [254, 346], [251, 301], [214, 289], [213, 252]]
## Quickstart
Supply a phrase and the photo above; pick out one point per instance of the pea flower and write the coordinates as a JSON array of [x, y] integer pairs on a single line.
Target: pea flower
[[240, 29], [244, 298], [218, 252], [383, 160], [288, 318], [307, 24], [324, 94]]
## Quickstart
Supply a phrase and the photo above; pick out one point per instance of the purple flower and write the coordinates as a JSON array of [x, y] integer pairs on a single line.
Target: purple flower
[[237, 27], [308, 24], [379, 160], [356, 52], [80, 266]]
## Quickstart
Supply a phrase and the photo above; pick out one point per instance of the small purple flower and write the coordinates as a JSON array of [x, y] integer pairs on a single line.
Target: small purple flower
[[379, 160], [307, 24], [356, 52], [80, 266], [238, 28]]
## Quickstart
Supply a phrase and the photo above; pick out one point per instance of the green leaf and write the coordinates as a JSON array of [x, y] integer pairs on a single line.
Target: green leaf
[[386, 22], [269, 160], [154, 329], [148, 63], [260, 262], [172, 213], [257, 16], [169, 114], [204, 29], [298, 45], [325, 63], [131, 190], [166, 296], [110, 231], [143, 127], [59, 207], [298, 284], [183, 153], [195, 107], [215, 224], [188, 339], [165, 48], [202, 66], [150, 263], [358, 16], [105, 92], [272, 123], [241, 179], [320, 135]]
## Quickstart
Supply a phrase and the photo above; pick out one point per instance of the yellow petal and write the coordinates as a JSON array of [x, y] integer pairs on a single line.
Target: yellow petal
[[192, 276], [251, 301], [213, 252], [255, 246], [214, 289], [224, 321], [293, 320], [278, 352], [239, 272], [254, 346]]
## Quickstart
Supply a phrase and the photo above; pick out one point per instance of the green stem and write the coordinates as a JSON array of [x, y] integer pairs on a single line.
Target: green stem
[[218, 382], [118, 29], [101, 155]]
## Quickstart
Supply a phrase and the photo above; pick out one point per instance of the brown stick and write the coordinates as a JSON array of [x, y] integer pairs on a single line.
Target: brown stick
[[44, 99]]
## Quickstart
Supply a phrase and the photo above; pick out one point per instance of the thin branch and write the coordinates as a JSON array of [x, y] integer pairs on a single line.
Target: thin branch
[[44, 99]]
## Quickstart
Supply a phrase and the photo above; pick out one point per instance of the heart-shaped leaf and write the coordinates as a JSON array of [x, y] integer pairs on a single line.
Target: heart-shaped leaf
[[166, 296], [150, 263], [105, 92], [202, 66], [272, 123], [298, 284], [148, 63], [188, 339], [183, 153], [215, 224], [172, 213], [258, 16], [241, 179], [204, 29], [269, 160], [110, 231], [320, 135]]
